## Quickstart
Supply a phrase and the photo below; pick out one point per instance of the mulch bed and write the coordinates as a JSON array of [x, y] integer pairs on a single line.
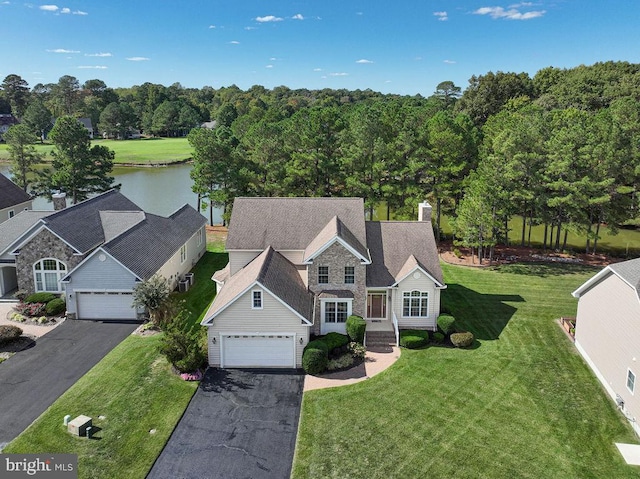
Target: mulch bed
[[519, 254]]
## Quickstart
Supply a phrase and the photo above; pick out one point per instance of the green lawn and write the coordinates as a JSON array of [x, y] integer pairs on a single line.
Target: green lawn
[[140, 152], [521, 403], [136, 392]]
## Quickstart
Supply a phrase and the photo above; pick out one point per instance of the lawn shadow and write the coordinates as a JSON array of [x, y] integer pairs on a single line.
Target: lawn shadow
[[484, 315], [544, 270]]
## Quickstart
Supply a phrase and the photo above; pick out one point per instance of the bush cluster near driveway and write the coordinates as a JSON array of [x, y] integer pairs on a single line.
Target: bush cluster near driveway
[[521, 404], [135, 390]]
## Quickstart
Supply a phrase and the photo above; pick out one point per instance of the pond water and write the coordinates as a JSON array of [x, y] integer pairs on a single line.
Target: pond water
[[159, 190]]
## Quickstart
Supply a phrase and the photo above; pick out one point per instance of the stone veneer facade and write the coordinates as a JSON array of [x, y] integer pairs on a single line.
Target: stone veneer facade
[[44, 245], [336, 257]]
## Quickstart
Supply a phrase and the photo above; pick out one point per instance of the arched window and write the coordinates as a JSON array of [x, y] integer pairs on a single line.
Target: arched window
[[415, 304], [47, 274]]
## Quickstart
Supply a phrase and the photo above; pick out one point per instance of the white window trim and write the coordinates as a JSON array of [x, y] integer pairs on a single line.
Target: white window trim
[[200, 235], [253, 306], [350, 275], [322, 282], [183, 253], [59, 272], [629, 371], [11, 213], [420, 297], [386, 303], [323, 303]]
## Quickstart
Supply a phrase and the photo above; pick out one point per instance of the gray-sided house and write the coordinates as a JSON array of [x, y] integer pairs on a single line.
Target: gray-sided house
[[301, 266], [608, 332], [96, 251], [13, 199]]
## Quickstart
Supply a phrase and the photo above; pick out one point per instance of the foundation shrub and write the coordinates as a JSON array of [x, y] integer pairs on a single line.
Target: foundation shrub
[[413, 338], [462, 340], [356, 327]]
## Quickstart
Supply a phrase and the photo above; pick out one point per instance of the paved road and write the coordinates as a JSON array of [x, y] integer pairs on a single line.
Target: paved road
[[239, 424], [31, 380]]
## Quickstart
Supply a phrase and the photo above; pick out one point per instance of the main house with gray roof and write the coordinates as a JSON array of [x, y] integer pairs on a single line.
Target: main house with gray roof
[[95, 252], [607, 332], [13, 199], [301, 266]]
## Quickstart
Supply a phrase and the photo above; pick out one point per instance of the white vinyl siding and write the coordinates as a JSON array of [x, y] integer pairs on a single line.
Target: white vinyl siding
[[4, 213], [608, 335], [423, 284], [239, 259], [174, 269], [631, 381], [273, 318]]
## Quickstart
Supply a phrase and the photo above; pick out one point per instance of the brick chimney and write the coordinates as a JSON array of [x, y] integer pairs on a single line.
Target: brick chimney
[[424, 211], [59, 201]]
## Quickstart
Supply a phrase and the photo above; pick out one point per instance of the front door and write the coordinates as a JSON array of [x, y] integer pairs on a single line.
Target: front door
[[377, 305]]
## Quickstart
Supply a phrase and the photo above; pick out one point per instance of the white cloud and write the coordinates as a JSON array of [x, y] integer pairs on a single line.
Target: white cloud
[[138, 59], [269, 66], [298, 16], [269, 18], [450, 62], [363, 61], [89, 67], [49, 8], [317, 69], [338, 74], [250, 28], [509, 14], [62, 50], [212, 26], [442, 16], [80, 12], [65, 10], [234, 42], [102, 55]]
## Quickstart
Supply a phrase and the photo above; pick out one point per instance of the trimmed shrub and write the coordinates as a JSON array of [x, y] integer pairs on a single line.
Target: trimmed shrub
[[413, 338], [40, 298], [356, 327], [184, 349], [438, 338], [462, 340], [334, 340], [9, 333], [315, 357], [55, 307], [446, 323]]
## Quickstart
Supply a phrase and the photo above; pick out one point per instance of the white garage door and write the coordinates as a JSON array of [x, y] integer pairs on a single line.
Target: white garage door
[[100, 305], [277, 350]]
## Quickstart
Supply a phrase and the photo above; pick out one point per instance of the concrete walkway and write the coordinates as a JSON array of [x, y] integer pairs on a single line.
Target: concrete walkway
[[376, 361]]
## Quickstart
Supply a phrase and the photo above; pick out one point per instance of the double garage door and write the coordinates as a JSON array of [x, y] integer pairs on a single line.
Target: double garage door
[[258, 351], [101, 305]]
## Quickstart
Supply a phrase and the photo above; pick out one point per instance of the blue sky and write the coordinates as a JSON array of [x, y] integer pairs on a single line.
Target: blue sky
[[400, 46]]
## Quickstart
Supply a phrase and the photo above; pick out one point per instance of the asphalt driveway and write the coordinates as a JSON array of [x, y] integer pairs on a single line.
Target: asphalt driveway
[[239, 424], [31, 380]]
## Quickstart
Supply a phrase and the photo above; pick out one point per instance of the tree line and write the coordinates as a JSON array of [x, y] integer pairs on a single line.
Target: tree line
[[559, 149]]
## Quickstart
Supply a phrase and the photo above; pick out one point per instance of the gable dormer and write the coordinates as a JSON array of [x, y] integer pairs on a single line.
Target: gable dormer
[[336, 232]]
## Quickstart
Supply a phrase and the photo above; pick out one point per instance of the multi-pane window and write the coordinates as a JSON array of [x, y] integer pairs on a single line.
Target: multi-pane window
[[631, 380], [335, 311], [323, 274], [200, 236], [256, 300], [48, 273], [415, 304], [349, 274], [183, 253]]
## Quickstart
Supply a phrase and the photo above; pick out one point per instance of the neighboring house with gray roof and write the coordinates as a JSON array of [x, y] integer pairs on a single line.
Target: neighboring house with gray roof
[[95, 252], [607, 333], [301, 266], [13, 199]]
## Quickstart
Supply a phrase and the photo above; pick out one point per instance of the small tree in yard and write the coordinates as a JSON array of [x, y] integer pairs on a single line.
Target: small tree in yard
[[153, 295], [185, 349]]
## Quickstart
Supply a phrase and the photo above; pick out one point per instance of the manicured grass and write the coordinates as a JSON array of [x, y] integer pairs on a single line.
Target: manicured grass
[[200, 295], [136, 392], [520, 403], [139, 152]]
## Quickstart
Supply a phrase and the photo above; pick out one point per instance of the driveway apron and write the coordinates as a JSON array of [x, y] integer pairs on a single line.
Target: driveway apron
[[239, 424], [31, 380]]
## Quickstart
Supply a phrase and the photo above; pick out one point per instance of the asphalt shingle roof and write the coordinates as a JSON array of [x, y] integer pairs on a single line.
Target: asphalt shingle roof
[[275, 273], [629, 271], [335, 229], [392, 245], [11, 194], [15, 227], [290, 223]]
